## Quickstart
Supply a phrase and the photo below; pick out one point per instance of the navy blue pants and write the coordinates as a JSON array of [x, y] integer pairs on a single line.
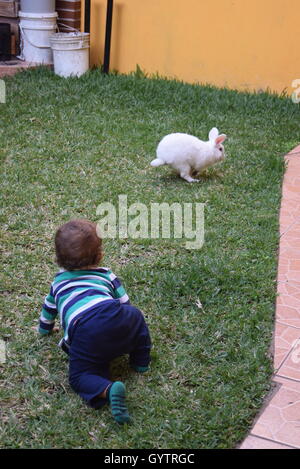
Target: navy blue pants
[[98, 337]]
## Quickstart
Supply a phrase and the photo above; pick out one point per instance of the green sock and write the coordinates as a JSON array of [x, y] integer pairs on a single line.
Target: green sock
[[116, 398]]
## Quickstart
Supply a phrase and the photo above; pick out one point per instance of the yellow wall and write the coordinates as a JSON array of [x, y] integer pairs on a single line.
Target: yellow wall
[[244, 44]]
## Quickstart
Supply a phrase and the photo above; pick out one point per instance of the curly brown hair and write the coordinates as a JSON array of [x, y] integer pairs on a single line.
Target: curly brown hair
[[78, 245]]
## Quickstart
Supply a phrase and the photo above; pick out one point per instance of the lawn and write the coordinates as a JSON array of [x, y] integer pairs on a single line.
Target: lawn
[[69, 145]]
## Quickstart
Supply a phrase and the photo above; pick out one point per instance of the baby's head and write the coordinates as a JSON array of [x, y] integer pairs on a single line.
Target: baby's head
[[77, 245]]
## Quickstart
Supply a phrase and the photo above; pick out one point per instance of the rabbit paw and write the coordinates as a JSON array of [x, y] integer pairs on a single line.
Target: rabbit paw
[[188, 178]]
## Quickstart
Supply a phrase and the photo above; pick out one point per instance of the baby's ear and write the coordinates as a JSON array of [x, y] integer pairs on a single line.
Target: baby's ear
[[220, 139]]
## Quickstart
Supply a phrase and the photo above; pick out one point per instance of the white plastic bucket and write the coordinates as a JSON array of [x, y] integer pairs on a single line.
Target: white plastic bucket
[[70, 53], [36, 29]]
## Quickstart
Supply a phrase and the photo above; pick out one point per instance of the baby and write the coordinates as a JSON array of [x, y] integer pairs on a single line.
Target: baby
[[98, 320]]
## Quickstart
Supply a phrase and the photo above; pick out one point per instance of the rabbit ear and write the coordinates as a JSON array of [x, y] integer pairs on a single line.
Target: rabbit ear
[[220, 139], [213, 134]]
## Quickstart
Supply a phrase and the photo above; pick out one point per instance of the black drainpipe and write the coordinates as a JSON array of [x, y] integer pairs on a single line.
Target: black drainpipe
[[109, 14], [87, 16]]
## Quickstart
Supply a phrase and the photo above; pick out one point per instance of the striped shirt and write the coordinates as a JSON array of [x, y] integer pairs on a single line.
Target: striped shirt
[[77, 292]]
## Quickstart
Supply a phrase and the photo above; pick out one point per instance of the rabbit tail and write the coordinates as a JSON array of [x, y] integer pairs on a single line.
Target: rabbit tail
[[157, 162]]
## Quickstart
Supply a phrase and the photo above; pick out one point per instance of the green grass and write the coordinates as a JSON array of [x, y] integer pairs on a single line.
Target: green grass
[[67, 146]]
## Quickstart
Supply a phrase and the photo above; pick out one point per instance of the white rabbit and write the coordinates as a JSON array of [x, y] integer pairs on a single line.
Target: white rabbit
[[188, 155]]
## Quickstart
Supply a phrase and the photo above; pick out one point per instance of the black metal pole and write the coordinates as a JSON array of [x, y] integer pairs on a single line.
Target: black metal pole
[[109, 14], [87, 16]]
